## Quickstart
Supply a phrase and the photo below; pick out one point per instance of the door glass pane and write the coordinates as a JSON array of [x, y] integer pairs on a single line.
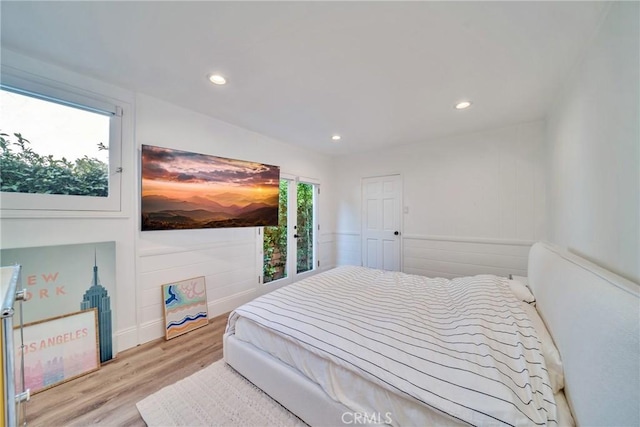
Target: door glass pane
[[304, 227], [275, 241]]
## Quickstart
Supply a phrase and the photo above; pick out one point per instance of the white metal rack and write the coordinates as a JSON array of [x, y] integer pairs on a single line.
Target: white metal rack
[[11, 291]]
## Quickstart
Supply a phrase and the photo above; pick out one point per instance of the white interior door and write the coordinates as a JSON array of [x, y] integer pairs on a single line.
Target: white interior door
[[381, 220]]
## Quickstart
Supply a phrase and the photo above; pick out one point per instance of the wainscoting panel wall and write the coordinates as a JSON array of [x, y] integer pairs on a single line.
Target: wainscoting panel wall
[[348, 248], [326, 251], [438, 256], [229, 268], [443, 257]]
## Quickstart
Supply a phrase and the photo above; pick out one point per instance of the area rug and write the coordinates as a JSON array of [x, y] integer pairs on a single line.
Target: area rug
[[214, 396]]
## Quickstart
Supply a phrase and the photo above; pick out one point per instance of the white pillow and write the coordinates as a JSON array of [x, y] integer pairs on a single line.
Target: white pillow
[[521, 291], [549, 350], [522, 279]]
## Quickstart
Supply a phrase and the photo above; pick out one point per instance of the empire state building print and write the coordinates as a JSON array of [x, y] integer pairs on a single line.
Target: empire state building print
[[97, 296]]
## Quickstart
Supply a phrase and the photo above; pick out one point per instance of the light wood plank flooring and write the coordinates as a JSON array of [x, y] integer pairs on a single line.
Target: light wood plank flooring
[[108, 396]]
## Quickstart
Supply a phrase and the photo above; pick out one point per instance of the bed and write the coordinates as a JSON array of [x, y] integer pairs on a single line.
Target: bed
[[336, 354]]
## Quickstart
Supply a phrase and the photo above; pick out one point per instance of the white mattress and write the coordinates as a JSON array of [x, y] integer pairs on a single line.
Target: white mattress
[[352, 390], [341, 384]]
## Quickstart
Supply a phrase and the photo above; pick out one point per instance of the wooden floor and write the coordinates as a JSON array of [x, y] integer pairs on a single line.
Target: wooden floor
[[109, 395]]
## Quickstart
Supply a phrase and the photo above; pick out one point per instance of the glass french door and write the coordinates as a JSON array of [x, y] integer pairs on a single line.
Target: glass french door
[[289, 249], [304, 227]]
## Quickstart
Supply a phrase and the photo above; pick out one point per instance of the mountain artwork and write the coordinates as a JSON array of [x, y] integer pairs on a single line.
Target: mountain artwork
[[184, 190]]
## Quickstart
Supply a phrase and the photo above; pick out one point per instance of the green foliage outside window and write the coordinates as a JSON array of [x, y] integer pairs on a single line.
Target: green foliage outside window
[[305, 228], [275, 241], [275, 238], [22, 170]]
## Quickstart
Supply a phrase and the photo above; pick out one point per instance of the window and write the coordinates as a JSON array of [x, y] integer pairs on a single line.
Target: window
[[58, 150]]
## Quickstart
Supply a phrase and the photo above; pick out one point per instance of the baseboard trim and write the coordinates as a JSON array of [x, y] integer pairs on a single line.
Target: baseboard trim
[[126, 338]]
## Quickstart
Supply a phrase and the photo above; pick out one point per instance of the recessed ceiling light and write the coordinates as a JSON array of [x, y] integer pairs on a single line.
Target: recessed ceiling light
[[217, 79], [336, 137], [462, 105]]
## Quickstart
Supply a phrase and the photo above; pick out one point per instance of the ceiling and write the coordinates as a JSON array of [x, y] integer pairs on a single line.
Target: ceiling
[[377, 73]]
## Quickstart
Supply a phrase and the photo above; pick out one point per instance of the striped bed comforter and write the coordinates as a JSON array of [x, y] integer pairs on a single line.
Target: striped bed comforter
[[463, 347]]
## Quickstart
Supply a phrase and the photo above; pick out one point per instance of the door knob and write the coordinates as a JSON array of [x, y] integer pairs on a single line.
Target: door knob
[[397, 233]]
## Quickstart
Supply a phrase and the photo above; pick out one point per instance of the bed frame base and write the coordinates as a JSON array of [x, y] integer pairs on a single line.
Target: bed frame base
[[290, 388]]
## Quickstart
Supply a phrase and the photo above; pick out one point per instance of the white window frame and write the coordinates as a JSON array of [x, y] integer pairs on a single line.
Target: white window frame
[[58, 92]]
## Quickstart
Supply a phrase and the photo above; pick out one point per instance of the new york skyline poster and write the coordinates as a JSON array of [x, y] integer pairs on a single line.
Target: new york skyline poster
[[185, 190]]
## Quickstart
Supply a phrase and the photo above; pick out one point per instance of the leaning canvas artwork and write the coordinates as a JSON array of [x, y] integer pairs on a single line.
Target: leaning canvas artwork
[[57, 350], [185, 306], [63, 279], [184, 190]]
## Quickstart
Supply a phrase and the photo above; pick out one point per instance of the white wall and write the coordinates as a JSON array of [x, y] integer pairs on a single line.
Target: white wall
[[466, 194], [594, 149], [226, 257]]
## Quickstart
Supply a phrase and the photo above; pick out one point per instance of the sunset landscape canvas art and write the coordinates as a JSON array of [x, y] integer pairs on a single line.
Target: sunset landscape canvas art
[[184, 190]]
